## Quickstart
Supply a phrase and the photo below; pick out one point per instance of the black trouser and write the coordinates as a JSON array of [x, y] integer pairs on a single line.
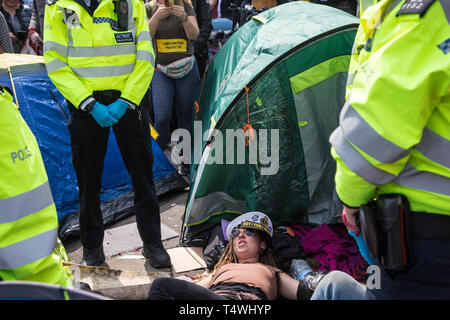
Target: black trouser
[[429, 274], [176, 289], [428, 277], [89, 144]]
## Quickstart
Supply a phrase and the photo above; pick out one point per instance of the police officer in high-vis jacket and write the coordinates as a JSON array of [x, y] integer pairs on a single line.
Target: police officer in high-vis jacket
[[28, 218], [99, 56], [392, 147]]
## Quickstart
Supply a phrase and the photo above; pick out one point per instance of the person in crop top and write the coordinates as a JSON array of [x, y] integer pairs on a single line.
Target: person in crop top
[[245, 271]]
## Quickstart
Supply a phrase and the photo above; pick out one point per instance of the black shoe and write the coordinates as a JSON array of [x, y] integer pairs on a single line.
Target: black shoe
[[184, 170], [158, 256], [93, 257]]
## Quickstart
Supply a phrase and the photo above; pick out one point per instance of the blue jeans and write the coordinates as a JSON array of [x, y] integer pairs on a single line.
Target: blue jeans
[[338, 285], [164, 91]]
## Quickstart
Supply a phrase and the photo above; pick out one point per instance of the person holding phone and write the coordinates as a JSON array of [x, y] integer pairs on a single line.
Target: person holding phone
[[17, 20], [36, 26], [173, 28]]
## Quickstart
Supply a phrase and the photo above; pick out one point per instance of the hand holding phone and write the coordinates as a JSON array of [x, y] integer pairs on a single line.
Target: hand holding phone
[[178, 11], [22, 35]]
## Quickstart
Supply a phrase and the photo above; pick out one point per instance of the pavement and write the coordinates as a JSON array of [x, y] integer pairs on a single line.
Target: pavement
[[128, 274]]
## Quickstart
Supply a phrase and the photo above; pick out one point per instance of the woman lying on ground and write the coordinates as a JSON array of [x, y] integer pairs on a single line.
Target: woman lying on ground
[[246, 270]]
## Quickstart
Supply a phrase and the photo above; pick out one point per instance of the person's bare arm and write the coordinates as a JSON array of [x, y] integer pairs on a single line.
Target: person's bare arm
[[206, 282], [288, 286], [153, 21], [190, 24]]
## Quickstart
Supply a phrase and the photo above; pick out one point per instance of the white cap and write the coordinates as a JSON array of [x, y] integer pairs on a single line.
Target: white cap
[[251, 220]]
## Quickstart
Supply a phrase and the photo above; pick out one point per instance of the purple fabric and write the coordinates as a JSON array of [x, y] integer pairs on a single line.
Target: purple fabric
[[225, 224], [333, 248]]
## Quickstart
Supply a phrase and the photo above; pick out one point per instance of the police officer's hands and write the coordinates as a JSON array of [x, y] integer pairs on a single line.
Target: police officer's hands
[[118, 108], [101, 114], [349, 219]]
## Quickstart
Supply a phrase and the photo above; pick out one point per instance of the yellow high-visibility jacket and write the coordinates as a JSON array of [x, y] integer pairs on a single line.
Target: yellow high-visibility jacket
[[394, 131], [85, 53], [28, 218], [364, 5]]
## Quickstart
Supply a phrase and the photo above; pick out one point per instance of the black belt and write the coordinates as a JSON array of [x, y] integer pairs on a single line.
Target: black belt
[[239, 287], [430, 226]]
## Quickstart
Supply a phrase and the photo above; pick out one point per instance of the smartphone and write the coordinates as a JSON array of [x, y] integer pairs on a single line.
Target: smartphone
[[21, 35]]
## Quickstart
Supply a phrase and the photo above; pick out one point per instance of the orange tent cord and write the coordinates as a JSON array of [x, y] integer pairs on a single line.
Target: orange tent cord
[[248, 126], [196, 104]]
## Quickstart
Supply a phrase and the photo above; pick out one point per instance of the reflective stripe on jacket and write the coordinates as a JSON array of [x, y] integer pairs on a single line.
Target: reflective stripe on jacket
[[86, 53], [394, 132]]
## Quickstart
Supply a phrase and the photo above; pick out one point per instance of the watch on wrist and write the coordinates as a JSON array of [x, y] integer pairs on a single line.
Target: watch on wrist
[[89, 106], [185, 17]]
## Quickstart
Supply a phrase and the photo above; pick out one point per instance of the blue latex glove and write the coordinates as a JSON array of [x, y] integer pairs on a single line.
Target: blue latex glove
[[101, 114], [118, 108], [363, 249]]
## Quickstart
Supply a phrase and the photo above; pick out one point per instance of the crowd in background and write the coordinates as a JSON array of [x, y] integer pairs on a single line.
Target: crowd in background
[[21, 25], [21, 32]]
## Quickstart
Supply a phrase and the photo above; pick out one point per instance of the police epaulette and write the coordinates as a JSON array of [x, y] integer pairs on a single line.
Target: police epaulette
[[415, 6], [50, 2]]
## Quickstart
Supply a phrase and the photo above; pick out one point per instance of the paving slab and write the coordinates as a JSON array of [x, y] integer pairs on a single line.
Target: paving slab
[[126, 238], [119, 284], [172, 208], [128, 275], [186, 259]]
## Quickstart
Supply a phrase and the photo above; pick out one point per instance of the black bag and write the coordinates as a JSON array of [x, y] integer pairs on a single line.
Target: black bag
[[285, 248], [214, 247]]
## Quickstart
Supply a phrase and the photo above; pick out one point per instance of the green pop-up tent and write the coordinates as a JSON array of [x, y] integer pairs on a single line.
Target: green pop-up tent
[[282, 73]]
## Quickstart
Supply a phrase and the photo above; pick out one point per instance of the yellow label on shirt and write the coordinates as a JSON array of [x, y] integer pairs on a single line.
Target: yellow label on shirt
[[171, 45]]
